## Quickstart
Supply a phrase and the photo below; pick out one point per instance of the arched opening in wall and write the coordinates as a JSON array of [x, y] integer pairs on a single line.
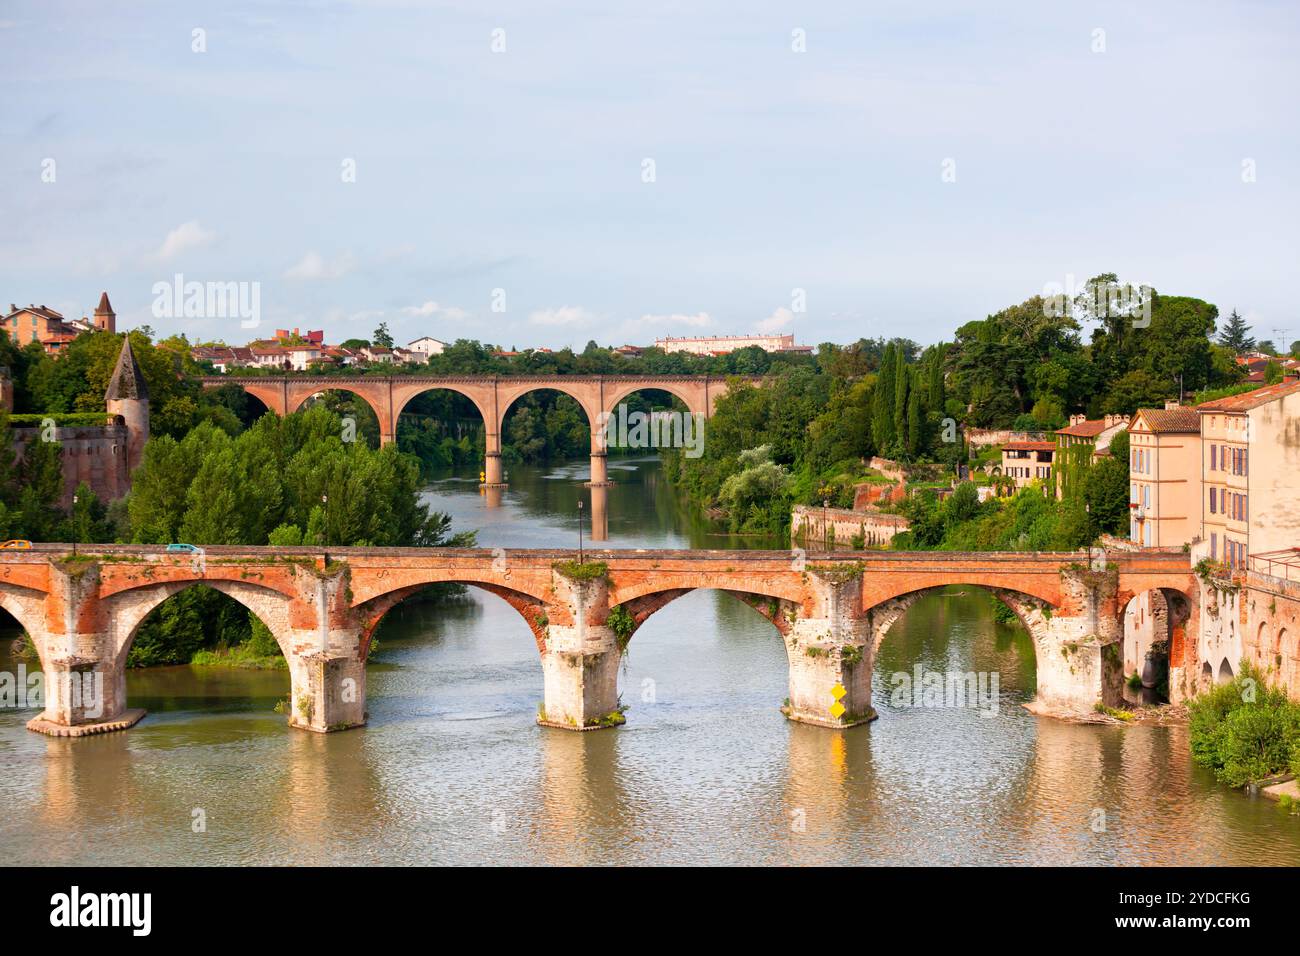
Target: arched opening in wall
[[202, 650], [360, 423], [1263, 650], [453, 651], [963, 647], [544, 427], [1279, 652], [247, 408], [446, 431], [1207, 676], [1225, 672], [690, 655], [15, 645], [1154, 621]]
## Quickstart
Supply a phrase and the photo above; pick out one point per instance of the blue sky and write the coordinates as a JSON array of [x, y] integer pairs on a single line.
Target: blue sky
[[523, 170]]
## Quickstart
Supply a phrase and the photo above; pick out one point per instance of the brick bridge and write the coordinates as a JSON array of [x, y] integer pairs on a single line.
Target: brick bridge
[[388, 395], [832, 611]]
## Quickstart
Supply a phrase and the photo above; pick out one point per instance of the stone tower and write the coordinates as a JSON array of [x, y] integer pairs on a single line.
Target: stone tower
[[105, 317], [128, 396]]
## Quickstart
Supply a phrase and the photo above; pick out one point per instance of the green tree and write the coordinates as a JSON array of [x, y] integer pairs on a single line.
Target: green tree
[[1236, 335]]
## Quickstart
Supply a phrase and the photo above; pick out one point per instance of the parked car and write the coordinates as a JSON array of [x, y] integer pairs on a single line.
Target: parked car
[[21, 544], [183, 549]]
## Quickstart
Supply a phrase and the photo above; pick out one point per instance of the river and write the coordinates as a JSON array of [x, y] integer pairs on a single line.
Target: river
[[452, 768]]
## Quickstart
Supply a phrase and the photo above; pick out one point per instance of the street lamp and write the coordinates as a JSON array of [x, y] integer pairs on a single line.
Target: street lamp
[[75, 529], [325, 500], [826, 504], [579, 531]]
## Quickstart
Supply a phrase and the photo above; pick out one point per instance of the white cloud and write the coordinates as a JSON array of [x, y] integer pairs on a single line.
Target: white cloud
[[779, 321], [428, 308], [698, 320], [188, 235], [564, 315], [452, 313], [313, 266]]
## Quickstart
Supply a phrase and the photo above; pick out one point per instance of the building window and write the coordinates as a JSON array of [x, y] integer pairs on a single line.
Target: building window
[[1214, 546], [1214, 495], [1214, 457]]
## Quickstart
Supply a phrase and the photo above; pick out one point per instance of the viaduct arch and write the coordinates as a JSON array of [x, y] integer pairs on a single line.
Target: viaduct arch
[[598, 395]]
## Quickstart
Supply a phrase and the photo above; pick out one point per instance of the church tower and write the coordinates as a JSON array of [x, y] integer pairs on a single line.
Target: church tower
[[105, 317], [128, 396]]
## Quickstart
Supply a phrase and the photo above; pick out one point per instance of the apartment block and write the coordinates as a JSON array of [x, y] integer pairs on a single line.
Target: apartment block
[[1250, 473], [1165, 476]]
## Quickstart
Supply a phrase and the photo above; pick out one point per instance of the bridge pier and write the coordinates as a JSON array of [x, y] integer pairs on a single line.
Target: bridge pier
[[328, 691], [84, 679], [830, 652], [1079, 647], [599, 476], [581, 658]]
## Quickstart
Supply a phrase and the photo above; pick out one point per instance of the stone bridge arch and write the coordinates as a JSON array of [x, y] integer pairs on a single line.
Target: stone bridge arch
[[27, 606], [534, 610], [1033, 612], [127, 609]]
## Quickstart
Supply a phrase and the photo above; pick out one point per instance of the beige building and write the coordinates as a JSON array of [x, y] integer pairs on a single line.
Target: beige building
[[1164, 476], [722, 344], [1028, 461], [1250, 473], [1096, 432]]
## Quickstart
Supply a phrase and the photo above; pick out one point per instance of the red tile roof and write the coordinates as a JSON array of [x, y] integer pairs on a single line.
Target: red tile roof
[[1253, 399], [1177, 420], [1088, 429], [1029, 446]]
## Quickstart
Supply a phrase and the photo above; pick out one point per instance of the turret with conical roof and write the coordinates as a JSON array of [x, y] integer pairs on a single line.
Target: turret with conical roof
[[128, 396], [105, 317]]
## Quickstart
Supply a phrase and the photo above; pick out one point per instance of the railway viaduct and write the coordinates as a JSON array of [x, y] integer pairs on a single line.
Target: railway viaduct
[[598, 395], [82, 610]]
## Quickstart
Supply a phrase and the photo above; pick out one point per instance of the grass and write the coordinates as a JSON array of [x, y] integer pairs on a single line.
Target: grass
[[587, 571], [240, 656]]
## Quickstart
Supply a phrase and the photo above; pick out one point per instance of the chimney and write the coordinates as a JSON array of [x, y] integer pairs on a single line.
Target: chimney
[[1171, 403]]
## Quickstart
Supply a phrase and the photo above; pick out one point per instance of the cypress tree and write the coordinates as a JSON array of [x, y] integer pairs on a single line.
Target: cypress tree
[[882, 406], [902, 379]]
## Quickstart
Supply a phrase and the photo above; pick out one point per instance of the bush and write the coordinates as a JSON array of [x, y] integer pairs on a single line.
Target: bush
[[1244, 731]]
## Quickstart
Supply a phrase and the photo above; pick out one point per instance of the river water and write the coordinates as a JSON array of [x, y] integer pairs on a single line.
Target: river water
[[453, 769]]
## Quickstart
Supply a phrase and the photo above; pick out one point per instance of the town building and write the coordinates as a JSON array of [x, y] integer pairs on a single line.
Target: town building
[[293, 337], [722, 344], [427, 345], [1096, 432], [1028, 461], [1250, 473], [1165, 476], [289, 358], [224, 358], [39, 323]]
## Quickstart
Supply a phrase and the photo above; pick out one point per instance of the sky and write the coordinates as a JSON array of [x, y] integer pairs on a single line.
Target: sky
[[541, 174]]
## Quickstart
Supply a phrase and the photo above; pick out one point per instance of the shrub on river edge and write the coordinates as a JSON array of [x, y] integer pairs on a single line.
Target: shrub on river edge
[[1245, 731]]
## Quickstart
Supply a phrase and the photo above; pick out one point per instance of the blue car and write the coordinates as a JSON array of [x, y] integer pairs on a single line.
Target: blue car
[[183, 549]]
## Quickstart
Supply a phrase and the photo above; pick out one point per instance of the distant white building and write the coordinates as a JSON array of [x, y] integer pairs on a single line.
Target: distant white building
[[722, 344], [427, 345]]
